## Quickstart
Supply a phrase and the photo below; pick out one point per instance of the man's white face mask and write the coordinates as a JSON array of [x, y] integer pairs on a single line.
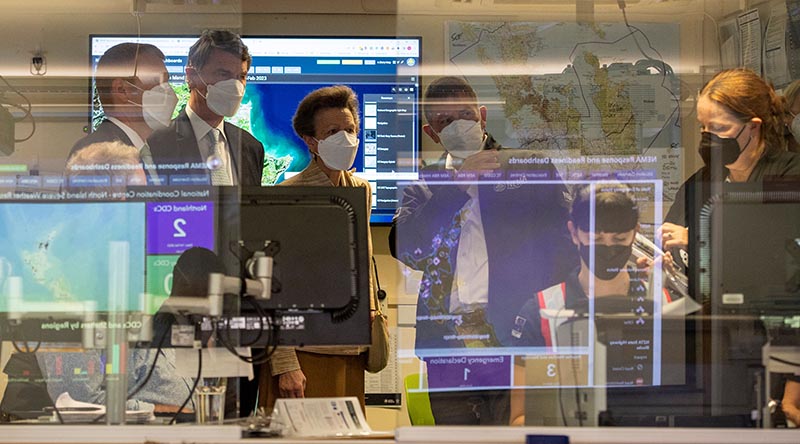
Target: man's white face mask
[[158, 104], [224, 97], [462, 138]]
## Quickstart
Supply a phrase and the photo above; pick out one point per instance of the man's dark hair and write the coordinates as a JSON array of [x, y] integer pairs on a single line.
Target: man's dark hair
[[337, 96], [217, 39], [121, 62], [446, 88], [614, 208]]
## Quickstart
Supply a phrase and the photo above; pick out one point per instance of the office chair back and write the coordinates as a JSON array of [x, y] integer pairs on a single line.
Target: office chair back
[[417, 401]]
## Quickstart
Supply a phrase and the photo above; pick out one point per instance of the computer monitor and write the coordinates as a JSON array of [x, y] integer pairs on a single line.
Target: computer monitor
[[383, 71], [318, 235], [749, 249], [745, 270], [715, 357], [60, 260], [741, 268], [748, 269]]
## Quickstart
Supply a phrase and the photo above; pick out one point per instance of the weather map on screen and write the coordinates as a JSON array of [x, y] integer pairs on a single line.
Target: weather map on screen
[[66, 252]]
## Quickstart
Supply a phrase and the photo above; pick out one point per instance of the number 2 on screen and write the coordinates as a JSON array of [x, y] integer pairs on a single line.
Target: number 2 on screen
[[178, 224]]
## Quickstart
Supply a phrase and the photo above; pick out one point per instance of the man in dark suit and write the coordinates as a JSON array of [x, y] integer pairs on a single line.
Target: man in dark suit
[[131, 81], [487, 227], [198, 142]]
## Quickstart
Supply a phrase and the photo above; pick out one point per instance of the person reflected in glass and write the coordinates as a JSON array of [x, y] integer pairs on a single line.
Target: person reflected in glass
[[136, 99], [484, 224], [608, 276], [614, 275]]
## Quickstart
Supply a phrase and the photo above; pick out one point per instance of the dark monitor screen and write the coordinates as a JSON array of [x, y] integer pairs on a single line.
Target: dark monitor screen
[[320, 286], [383, 71], [749, 249], [745, 270], [319, 292], [716, 356]]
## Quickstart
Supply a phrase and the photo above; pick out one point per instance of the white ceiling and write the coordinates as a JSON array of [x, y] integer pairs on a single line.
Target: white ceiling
[[10, 7]]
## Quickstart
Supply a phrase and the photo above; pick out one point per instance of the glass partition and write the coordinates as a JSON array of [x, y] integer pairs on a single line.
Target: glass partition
[[581, 213], [575, 246], [147, 275]]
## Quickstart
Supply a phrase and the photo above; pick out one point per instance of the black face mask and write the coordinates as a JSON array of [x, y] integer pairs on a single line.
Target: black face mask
[[609, 260], [726, 148]]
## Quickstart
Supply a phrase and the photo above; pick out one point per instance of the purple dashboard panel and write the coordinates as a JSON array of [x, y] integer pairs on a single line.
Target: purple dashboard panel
[[174, 227], [468, 371]]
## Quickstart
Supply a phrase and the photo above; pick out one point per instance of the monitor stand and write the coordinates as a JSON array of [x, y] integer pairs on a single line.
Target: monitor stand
[[572, 401]]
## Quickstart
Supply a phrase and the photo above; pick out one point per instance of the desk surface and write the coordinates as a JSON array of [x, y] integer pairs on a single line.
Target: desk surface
[[139, 434], [594, 435]]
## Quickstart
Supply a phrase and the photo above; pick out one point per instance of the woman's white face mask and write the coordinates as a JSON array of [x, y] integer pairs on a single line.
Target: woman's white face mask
[[338, 151]]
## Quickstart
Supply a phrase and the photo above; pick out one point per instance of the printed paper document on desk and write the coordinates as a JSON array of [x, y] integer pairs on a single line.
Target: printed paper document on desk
[[322, 417], [77, 411]]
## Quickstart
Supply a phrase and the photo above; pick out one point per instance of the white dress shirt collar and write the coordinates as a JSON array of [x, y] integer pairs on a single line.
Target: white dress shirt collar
[[201, 129], [135, 138], [200, 126]]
